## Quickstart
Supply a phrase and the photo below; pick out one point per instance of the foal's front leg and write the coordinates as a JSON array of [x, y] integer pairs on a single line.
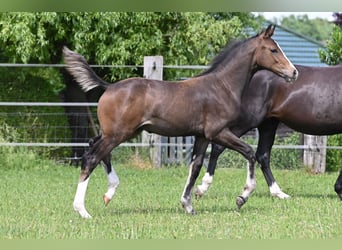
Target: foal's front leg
[[228, 139], [198, 155]]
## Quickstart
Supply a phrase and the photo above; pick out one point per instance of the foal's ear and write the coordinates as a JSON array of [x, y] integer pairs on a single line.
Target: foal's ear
[[268, 32]]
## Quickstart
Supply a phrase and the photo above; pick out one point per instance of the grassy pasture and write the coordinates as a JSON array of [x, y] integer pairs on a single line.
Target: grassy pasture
[[36, 203]]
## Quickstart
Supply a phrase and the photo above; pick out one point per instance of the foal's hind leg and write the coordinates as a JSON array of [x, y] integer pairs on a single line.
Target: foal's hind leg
[[198, 155], [113, 179], [98, 151]]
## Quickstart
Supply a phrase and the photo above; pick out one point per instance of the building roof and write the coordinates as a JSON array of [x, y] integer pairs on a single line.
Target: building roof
[[298, 48]]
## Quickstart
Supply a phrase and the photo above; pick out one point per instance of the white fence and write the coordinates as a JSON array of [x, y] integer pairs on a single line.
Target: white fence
[[163, 149]]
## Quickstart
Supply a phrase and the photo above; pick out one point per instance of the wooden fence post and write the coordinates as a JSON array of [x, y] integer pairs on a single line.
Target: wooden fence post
[[153, 69], [314, 157]]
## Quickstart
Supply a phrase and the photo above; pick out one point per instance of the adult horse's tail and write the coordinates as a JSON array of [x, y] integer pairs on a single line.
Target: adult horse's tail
[[78, 67]]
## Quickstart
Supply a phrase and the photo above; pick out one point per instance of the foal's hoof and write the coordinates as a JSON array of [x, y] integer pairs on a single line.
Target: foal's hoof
[[189, 210], [240, 201], [106, 200], [187, 206]]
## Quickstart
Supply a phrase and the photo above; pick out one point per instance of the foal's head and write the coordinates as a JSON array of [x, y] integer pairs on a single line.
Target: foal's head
[[269, 55]]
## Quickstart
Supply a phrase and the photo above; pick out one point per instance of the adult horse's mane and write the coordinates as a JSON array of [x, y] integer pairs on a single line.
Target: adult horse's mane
[[225, 55]]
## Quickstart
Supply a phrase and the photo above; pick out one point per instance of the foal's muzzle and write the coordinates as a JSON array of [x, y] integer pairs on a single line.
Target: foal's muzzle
[[291, 78]]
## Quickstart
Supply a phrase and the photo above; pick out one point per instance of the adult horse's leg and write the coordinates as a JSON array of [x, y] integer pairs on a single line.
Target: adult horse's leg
[[267, 131], [98, 151], [216, 151], [227, 139], [198, 154], [338, 185]]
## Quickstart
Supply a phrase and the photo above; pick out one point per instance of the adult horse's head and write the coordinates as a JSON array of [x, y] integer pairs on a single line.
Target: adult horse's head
[[269, 55]]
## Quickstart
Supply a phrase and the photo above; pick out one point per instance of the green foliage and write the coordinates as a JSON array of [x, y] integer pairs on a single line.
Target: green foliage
[[32, 124], [280, 158], [332, 54], [107, 38], [118, 38], [317, 29], [334, 157], [287, 158], [18, 158]]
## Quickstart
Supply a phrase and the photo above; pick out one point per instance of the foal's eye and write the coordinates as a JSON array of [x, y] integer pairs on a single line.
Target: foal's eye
[[273, 51]]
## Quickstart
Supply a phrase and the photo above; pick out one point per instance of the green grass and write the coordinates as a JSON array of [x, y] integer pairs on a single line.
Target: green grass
[[36, 203]]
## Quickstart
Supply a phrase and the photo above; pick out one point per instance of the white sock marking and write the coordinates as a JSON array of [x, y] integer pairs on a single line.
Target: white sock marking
[[206, 182], [186, 201], [80, 197], [113, 183], [276, 191], [250, 184]]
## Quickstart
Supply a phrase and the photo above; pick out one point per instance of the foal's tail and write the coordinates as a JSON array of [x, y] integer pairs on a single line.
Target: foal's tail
[[78, 67]]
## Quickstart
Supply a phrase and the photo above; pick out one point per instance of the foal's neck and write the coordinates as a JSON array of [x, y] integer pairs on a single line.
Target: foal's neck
[[238, 72]]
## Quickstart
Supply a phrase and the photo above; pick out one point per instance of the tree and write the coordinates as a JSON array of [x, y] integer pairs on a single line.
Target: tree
[[332, 54], [317, 29], [107, 38], [116, 38]]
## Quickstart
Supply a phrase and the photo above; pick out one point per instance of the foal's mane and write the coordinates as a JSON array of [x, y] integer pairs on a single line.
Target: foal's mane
[[224, 56]]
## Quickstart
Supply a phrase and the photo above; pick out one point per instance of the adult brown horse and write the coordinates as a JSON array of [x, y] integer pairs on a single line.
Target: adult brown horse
[[204, 106], [311, 105]]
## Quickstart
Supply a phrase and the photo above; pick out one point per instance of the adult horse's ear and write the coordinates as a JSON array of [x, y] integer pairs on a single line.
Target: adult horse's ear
[[269, 31]]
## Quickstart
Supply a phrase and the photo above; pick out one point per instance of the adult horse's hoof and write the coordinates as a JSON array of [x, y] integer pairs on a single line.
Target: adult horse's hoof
[[338, 188], [198, 193], [240, 201], [340, 196]]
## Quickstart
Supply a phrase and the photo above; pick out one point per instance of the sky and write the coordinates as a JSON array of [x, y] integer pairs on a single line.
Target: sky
[[278, 15]]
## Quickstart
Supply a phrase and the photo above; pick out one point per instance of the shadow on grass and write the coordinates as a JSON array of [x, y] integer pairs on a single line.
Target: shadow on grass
[[317, 196], [200, 209], [211, 204]]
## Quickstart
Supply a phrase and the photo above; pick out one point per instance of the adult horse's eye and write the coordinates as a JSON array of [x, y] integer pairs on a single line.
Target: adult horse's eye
[[274, 51]]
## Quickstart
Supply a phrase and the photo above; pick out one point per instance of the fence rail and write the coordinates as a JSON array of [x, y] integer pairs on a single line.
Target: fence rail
[[177, 151], [152, 144], [168, 145], [49, 104], [36, 65]]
